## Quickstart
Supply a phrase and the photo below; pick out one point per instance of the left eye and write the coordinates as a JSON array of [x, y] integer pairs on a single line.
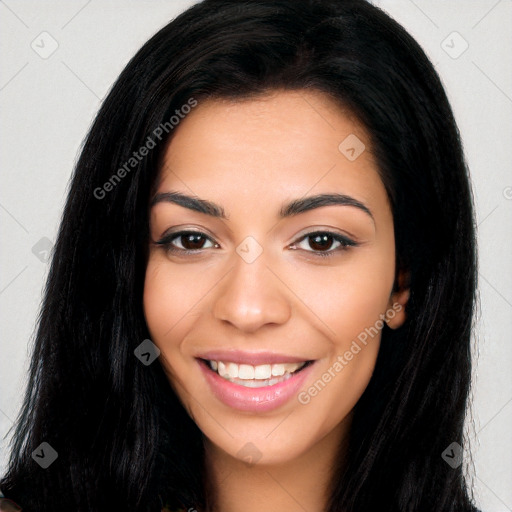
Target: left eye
[[323, 242]]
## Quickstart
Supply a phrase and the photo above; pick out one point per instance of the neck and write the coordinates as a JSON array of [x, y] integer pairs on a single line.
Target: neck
[[299, 484]]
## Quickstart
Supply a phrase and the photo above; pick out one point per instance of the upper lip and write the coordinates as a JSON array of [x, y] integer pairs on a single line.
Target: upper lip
[[252, 358]]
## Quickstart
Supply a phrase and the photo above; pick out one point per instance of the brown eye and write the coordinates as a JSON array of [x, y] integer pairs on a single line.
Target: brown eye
[[323, 243], [192, 241], [186, 241]]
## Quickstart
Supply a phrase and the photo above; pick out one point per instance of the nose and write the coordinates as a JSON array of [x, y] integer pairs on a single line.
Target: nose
[[251, 296]]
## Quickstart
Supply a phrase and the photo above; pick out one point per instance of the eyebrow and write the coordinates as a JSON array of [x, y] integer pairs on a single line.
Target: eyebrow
[[290, 209]]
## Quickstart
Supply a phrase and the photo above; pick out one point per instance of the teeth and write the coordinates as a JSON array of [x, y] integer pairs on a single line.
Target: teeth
[[247, 372], [261, 383], [263, 371], [278, 370], [231, 370]]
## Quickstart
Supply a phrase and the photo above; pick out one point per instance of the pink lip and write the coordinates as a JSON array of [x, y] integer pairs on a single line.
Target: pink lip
[[253, 399], [252, 358]]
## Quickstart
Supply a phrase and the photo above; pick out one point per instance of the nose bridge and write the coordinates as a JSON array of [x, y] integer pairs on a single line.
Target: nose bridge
[[251, 295]]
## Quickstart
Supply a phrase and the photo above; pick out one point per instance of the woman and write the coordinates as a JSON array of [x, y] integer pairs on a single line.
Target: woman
[[202, 348]]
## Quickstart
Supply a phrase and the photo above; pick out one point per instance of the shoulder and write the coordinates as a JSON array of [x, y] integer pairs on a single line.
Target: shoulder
[[7, 505]]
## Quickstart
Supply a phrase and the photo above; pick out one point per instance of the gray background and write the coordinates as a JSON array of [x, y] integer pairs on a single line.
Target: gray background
[[48, 101]]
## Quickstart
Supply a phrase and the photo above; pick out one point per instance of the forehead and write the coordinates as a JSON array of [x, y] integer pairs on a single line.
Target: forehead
[[283, 144]]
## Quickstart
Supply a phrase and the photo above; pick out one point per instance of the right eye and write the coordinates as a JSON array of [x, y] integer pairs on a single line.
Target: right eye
[[186, 242]]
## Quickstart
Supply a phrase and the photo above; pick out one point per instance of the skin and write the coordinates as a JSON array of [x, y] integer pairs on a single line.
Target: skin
[[251, 157]]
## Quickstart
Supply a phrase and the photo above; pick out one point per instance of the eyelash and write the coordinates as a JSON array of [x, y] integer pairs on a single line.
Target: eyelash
[[345, 242]]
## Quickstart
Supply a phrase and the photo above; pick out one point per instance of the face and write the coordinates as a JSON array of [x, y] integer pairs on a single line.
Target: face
[[270, 271]]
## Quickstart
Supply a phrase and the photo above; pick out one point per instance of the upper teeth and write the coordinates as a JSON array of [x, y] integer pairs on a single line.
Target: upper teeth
[[247, 371]]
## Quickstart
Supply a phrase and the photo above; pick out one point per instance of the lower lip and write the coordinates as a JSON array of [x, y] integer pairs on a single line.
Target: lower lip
[[254, 399]]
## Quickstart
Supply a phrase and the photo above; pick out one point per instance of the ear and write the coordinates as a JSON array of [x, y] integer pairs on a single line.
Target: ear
[[395, 313]]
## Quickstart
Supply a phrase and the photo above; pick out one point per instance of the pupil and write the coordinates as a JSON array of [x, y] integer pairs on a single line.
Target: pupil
[[321, 242]]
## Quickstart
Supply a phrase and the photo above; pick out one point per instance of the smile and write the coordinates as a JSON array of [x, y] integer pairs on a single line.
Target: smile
[[254, 387], [259, 376]]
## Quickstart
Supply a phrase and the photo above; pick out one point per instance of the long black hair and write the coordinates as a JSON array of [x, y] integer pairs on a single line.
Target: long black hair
[[124, 441]]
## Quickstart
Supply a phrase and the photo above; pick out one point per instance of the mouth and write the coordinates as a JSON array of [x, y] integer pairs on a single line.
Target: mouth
[[267, 384], [255, 376]]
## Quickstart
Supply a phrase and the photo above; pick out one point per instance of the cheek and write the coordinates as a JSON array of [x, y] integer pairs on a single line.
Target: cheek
[[354, 302], [349, 301], [349, 306], [345, 300], [173, 301], [160, 310], [170, 299]]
